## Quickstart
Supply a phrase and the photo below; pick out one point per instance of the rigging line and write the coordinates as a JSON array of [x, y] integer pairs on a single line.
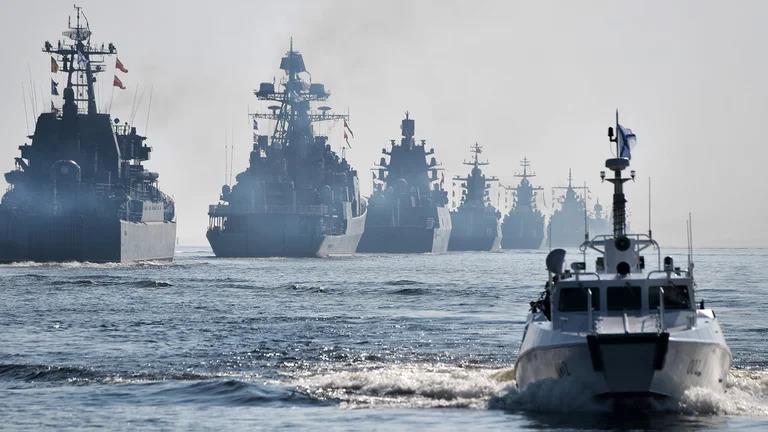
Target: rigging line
[[133, 104], [32, 92], [149, 108], [24, 99], [231, 153]]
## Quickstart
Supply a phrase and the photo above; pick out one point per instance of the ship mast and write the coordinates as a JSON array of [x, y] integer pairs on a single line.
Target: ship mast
[[294, 116], [476, 184], [617, 165], [81, 62]]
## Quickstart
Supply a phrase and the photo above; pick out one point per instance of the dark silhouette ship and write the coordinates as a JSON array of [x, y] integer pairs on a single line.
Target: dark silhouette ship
[[523, 226], [297, 198], [568, 223], [476, 224], [407, 212], [79, 191]]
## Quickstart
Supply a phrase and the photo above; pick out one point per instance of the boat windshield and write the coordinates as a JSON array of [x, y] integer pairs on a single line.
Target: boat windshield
[[575, 299], [624, 298], [675, 297]]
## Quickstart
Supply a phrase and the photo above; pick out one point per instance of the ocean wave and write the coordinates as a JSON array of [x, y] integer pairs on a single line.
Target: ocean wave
[[84, 375], [401, 282], [149, 283], [746, 393], [408, 385], [230, 392], [411, 291]]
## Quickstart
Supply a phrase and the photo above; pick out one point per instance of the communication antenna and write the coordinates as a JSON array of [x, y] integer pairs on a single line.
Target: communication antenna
[[586, 226], [690, 243], [650, 231], [149, 108]]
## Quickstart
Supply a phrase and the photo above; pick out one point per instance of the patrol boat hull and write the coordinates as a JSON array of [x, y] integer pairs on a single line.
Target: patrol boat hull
[[635, 365], [84, 238], [285, 235]]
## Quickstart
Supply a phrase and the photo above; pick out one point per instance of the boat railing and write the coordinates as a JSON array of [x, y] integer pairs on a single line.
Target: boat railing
[[661, 309], [224, 210]]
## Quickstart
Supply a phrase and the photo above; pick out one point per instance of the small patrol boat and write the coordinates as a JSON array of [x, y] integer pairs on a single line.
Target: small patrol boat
[[621, 330]]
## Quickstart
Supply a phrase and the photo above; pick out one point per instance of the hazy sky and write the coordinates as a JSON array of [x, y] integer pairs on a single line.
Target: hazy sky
[[540, 79]]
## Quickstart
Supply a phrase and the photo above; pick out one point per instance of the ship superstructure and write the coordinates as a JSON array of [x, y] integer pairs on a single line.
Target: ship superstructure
[[297, 197], [523, 226], [79, 191], [476, 224], [567, 224], [407, 211]]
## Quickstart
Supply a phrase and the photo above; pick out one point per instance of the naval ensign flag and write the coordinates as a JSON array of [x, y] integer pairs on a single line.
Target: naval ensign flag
[[627, 142]]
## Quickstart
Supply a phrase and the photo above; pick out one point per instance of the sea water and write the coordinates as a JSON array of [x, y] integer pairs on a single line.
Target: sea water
[[369, 342]]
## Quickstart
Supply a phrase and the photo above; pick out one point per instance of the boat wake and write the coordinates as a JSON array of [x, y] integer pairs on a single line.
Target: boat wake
[[406, 386]]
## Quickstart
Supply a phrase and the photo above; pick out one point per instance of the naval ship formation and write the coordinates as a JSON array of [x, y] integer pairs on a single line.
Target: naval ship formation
[[476, 224], [79, 191], [297, 197], [407, 211]]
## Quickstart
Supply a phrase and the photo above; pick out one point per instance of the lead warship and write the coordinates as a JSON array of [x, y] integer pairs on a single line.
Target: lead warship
[[297, 198], [475, 224], [523, 226], [567, 224], [79, 191], [407, 211]]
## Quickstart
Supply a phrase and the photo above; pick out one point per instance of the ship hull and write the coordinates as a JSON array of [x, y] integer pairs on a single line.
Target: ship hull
[[408, 239], [285, 235], [474, 231], [522, 230], [86, 239]]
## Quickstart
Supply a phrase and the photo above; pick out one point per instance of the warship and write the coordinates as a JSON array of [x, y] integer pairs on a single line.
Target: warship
[[599, 222], [297, 198], [407, 210], [79, 191], [568, 223], [523, 226], [476, 223]]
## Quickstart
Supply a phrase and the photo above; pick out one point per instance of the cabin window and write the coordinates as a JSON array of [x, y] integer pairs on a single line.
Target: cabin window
[[575, 299], [675, 297], [624, 298]]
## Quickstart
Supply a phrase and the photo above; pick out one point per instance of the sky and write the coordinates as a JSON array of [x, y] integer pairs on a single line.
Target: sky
[[536, 79]]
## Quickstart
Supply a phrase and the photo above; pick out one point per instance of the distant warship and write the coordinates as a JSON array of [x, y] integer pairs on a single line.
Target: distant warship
[[567, 224], [476, 224], [297, 197], [600, 223], [79, 191], [407, 211], [523, 226]]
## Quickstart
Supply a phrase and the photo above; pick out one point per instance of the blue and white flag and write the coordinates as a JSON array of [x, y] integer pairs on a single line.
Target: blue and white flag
[[82, 61], [54, 88], [627, 142]]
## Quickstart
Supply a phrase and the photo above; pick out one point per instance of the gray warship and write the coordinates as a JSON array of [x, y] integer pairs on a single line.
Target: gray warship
[[407, 212], [523, 226], [476, 224], [600, 223], [297, 198], [79, 191], [567, 225]]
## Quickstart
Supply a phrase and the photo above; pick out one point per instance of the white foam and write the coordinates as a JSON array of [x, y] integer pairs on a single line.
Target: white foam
[[746, 394], [408, 385]]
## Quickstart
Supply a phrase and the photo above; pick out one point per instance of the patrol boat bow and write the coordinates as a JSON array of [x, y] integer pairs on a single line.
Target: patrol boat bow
[[621, 331]]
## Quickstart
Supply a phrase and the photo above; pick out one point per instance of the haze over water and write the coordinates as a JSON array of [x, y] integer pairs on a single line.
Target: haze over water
[[538, 79]]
